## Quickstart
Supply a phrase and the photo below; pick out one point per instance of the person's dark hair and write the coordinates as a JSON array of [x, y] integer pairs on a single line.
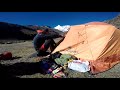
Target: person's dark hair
[[46, 30]]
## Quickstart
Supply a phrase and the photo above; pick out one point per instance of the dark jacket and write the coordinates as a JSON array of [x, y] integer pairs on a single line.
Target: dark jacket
[[39, 39]]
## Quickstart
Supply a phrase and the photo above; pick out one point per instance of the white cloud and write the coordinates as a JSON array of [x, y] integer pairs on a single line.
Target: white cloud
[[62, 28]]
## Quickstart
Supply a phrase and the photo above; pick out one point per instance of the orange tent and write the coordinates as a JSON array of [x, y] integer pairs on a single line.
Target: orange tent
[[96, 42]]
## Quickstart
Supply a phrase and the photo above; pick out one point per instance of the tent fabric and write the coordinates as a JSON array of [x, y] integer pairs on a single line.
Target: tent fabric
[[96, 42], [109, 56]]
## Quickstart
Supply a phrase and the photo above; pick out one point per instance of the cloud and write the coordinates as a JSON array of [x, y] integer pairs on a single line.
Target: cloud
[[62, 28]]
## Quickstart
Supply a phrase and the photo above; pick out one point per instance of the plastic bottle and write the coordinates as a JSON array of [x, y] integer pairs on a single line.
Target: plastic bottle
[[57, 70]]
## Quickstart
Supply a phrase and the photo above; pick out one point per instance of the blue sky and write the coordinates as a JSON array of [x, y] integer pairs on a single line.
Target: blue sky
[[54, 18]]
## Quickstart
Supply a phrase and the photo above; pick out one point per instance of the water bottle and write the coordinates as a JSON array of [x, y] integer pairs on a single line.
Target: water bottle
[[56, 70]]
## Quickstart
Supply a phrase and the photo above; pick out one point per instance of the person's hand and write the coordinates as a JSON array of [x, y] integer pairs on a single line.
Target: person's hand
[[62, 36]]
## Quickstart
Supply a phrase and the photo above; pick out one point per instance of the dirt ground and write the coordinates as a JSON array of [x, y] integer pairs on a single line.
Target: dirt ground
[[23, 67]]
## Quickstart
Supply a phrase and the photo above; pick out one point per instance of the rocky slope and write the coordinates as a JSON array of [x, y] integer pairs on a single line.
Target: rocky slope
[[13, 32], [114, 21]]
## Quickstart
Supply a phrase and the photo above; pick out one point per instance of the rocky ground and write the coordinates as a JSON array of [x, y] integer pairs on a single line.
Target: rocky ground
[[23, 67]]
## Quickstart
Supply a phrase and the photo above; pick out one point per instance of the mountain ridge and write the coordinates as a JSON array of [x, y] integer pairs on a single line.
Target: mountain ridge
[[20, 32], [114, 21], [9, 31]]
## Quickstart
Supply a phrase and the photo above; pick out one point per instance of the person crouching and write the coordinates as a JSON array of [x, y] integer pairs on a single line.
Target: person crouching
[[43, 40]]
